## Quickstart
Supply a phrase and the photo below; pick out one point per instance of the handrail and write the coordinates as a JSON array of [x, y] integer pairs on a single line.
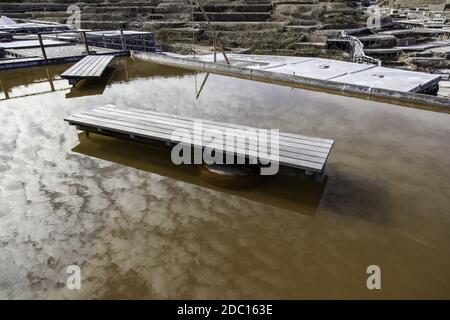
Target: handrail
[[357, 53]]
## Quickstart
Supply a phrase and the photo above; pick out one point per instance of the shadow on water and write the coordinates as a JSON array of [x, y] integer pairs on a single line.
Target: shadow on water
[[25, 82], [296, 194], [33, 81], [358, 197], [121, 70], [92, 87], [128, 69]]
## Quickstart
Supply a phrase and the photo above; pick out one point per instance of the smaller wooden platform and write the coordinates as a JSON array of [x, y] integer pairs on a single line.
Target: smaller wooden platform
[[90, 67]]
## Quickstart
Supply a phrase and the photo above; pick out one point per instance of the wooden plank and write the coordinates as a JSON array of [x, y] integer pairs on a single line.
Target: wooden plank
[[98, 123], [93, 64], [89, 67], [316, 142], [98, 71], [235, 126], [77, 67], [82, 67], [327, 142], [169, 130], [95, 67], [178, 122], [85, 63], [99, 67], [81, 64], [285, 146], [294, 150]]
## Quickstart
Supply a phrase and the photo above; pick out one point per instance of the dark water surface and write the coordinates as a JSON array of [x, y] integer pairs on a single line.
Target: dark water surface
[[139, 227]]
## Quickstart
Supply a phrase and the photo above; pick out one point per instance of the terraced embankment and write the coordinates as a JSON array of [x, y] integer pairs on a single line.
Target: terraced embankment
[[251, 24]]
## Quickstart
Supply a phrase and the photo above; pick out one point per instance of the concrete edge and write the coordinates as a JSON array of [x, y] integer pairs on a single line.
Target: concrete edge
[[410, 99]]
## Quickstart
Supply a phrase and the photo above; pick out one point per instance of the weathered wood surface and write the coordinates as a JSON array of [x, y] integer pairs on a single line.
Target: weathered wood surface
[[297, 151], [91, 66]]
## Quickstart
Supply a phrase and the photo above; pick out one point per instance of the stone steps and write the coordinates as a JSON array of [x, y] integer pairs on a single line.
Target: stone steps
[[237, 8], [8, 7], [267, 39], [121, 9], [233, 16], [204, 33], [276, 24], [248, 26], [121, 16], [104, 25]]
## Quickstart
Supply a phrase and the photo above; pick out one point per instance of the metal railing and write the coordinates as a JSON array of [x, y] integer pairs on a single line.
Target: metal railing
[[83, 38], [357, 53]]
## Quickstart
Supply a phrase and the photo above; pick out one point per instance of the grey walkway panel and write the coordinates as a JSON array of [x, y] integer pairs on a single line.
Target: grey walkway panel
[[294, 150]]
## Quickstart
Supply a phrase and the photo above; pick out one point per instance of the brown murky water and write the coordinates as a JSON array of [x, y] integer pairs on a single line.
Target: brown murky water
[[141, 228]]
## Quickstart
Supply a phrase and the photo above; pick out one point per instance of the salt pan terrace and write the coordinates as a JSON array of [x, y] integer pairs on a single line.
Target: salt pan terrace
[[335, 70]]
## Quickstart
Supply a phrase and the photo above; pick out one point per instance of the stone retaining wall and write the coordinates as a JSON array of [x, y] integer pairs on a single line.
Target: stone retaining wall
[[250, 24]]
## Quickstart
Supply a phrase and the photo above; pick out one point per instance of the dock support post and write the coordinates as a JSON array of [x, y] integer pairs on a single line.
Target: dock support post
[[86, 42], [124, 46], [202, 86], [215, 47], [41, 44], [126, 70], [4, 90], [50, 80]]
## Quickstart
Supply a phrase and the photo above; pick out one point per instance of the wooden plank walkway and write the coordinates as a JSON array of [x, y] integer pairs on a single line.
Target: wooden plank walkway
[[296, 151], [89, 67]]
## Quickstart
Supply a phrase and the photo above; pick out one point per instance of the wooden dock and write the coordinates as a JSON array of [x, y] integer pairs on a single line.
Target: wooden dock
[[90, 67], [295, 151]]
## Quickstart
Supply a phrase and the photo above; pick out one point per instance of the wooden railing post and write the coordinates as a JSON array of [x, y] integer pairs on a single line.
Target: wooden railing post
[[86, 42], [215, 46], [215, 35], [5, 91], [124, 46], [41, 44], [50, 80]]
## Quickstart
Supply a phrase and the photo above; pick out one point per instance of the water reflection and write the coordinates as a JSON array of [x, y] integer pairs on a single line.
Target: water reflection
[[29, 82], [199, 91], [295, 193], [91, 87], [32, 81], [161, 233]]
